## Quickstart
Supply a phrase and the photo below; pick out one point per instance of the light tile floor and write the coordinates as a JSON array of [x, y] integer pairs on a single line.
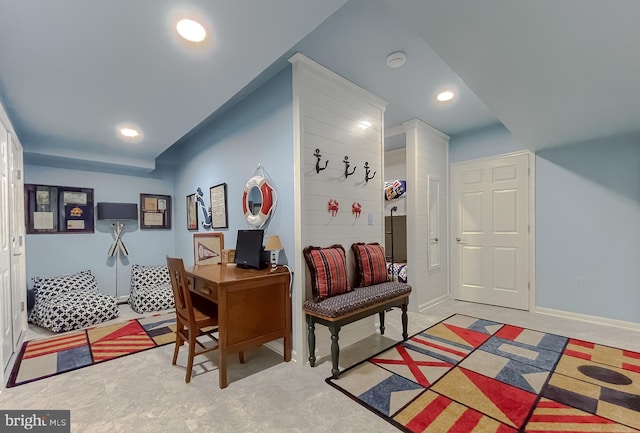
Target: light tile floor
[[145, 393]]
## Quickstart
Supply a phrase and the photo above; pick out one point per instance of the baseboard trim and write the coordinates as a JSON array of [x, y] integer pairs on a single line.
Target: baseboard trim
[[422, 308], [587, 318]]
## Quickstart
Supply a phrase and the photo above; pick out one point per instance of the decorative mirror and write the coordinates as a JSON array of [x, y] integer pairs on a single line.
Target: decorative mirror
[[258, 201], [434, 222]]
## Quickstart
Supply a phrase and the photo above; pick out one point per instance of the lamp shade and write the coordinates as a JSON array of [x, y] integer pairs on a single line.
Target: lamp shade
[[117, 211], [273, 243]]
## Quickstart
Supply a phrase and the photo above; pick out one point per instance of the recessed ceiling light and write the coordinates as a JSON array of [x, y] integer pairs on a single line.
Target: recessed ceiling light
[[129, 133], [445, 96], [191, 30], [397, 59], [364, 124]]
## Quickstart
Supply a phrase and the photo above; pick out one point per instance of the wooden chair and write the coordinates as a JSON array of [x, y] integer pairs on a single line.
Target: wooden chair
[[191, 322]]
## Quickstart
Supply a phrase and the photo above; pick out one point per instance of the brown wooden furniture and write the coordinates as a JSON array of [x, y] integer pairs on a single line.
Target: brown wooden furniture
[[190, 321], [254, 307], [361, 302]]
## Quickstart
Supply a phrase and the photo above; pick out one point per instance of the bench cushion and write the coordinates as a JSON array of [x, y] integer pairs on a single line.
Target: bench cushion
[[328, 269], [371, 264], [361, 297]]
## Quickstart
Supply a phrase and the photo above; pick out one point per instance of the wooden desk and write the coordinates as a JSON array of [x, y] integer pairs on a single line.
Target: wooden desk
[[254, 307]]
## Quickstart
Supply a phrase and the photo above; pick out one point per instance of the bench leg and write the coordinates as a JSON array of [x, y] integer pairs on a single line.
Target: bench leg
[[405, 322], [381, 314], [335, 350], [311, 339]]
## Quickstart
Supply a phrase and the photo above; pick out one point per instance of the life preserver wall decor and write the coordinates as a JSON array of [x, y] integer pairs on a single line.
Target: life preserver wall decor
[[258, 201]]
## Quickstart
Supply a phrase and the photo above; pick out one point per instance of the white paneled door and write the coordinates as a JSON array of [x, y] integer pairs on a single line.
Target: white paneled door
[[5, 251], [17, 236], [490, 215]]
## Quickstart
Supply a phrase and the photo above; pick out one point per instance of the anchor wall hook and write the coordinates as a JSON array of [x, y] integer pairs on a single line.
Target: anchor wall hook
[[367, 171], [318, 168], [346, 167]]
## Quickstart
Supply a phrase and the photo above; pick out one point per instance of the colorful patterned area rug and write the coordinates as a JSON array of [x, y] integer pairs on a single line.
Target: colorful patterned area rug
[[45, 357], [472, 375]]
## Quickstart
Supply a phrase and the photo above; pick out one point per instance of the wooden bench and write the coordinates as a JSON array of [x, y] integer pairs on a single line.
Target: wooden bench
[[361, 302]]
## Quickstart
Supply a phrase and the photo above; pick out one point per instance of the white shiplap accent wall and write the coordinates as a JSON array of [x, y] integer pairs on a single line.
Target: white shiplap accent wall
[[427, 155], [329, 112]]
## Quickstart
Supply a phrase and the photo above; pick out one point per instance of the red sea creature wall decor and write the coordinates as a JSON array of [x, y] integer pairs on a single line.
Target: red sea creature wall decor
[[356, 208], [332, 207]]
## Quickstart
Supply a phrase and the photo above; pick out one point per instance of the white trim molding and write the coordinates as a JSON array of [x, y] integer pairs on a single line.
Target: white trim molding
[[598, 320]]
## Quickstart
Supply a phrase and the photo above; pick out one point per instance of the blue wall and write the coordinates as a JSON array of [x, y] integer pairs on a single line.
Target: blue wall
[[259, 129], [587, 221], [494, 140], [588, 228], [57, 254]]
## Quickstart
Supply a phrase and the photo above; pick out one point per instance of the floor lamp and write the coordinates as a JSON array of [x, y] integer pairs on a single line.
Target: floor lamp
[[118, 214]]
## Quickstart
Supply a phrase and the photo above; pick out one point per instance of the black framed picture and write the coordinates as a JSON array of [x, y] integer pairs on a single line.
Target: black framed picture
[[192, 212], [155, 211], [58, 209], [219, 216]]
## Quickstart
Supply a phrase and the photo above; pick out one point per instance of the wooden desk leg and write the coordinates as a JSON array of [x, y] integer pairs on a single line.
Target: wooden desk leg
[[287, 348], [222, 372]]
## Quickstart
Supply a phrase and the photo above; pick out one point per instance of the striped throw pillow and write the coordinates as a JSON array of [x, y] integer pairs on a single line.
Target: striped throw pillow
[[328, 268], [370, 263]]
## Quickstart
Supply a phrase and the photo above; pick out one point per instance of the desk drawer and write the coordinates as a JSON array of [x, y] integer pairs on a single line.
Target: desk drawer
[[206, 289]]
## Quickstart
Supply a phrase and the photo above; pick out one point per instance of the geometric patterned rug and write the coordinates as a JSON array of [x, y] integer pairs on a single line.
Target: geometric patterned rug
[[473, 375], [45, 357]]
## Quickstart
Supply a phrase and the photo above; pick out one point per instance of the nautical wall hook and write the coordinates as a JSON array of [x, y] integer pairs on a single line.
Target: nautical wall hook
[[318, 168], [346, 167], [367, 171]]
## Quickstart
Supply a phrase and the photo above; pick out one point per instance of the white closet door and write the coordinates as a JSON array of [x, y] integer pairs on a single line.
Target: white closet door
[[17, 237], [5, 251], [490, 214]]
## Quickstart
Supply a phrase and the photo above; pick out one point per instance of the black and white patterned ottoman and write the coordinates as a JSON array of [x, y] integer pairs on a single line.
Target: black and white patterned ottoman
[[150, 289], [69, 302]]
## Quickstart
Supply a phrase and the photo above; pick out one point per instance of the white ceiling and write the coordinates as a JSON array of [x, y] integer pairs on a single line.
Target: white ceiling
[[552, 72]]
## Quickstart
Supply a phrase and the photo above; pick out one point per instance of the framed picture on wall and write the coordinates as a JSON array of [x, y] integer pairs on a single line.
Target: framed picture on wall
[[218, 196], [192, 212], [207, 248], [58, 209], [155, 211]]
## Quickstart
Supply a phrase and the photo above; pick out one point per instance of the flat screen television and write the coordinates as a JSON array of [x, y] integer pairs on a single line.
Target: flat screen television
[[249, 251]]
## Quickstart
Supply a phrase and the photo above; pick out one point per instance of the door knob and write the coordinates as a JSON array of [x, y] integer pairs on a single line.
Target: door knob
[[460, 240]]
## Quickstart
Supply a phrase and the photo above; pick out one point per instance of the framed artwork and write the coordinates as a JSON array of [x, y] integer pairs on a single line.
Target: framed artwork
[[155, 211], [192, 212], [58, 209], [207, 248], [218, 196]]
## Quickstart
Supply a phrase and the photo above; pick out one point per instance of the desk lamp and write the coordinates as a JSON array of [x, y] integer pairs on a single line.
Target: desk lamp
[[274, 245], [117, 212]]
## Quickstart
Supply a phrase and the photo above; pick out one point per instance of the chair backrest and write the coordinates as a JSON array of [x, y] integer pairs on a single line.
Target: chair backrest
[[180, 286]]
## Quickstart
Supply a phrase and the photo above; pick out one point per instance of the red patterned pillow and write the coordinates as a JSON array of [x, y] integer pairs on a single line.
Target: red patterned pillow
[[370, 263], [328, 268]]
